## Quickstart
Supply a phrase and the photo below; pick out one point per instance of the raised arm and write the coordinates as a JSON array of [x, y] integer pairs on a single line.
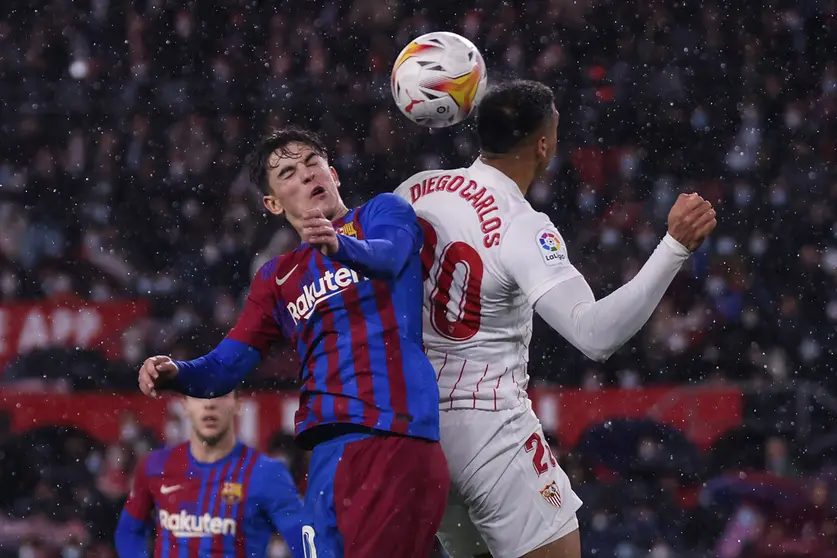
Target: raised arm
[[536, 257], [391, 236]]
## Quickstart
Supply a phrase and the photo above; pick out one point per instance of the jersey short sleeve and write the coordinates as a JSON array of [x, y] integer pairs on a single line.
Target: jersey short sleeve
[[256, 325], [534, 255], [140, 501]]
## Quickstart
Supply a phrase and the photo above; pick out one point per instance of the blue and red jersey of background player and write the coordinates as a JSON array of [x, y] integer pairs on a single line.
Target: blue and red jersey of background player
[[228, 508], [356, 319]]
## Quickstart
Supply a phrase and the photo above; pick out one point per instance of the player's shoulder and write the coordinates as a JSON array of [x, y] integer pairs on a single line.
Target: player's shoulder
[[156, 461], [411, 188], [387, 200], [270, 469], [387, 206], [271, 272]]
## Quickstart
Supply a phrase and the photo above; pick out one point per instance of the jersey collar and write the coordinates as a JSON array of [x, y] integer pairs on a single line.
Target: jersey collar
[[236, 451], [498, 177]]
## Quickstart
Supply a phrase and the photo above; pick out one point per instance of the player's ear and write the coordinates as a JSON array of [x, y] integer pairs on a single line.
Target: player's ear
[[543, 147], [273, 205], [334, 176]]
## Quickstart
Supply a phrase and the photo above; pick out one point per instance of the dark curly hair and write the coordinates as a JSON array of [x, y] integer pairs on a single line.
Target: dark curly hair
[[258, 161]]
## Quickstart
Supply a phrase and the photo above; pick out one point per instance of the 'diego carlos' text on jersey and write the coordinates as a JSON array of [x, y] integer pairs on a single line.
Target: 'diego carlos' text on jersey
[[488, 256]]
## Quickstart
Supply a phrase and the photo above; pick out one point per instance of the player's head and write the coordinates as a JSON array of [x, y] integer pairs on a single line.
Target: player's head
[[291, 168], [212, 420], [518, 119]]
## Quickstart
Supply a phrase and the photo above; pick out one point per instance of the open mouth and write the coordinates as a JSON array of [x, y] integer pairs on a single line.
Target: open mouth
[[318, 191], [210, 421]]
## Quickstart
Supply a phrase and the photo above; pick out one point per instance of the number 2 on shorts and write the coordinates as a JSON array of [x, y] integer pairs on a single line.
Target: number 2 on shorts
[[535, 443]]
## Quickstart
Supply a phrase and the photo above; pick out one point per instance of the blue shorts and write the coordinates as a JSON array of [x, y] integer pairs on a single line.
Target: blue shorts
[[374, 496]]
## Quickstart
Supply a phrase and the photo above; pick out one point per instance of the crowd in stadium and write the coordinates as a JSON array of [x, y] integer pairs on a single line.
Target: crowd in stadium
[[124, 127]]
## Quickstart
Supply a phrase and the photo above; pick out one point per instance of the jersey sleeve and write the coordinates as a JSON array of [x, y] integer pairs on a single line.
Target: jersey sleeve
[[256, 326], [135, 523], [140, 501], [284, 506], [392, 236], [390, 210], [534, 255]]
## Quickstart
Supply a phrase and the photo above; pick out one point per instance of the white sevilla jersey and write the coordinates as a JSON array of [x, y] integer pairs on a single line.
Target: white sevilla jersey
[[488, 256]]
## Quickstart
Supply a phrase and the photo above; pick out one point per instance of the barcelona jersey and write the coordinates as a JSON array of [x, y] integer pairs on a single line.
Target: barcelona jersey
[[228, 508], [357, 330]]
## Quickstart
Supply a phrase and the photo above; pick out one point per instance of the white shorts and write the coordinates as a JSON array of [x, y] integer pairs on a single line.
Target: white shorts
[[508, 495]]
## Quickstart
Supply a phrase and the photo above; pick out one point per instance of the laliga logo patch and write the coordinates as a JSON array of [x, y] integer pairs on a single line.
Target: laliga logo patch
[[550, 247]]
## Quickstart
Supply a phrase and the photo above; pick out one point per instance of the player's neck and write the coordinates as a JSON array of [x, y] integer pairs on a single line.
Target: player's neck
[[517, 170], [210, 453], [341, 211]]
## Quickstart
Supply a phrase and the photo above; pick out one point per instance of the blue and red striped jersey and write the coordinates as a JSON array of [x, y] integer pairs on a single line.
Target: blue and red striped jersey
[[357, 330], [228, 508]]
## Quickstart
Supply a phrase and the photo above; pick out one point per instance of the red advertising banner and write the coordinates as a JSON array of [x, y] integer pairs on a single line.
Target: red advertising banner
[[704, 415], [66, 323]]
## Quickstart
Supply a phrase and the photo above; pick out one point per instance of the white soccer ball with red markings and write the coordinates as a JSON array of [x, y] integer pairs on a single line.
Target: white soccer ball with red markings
[[438, 79]]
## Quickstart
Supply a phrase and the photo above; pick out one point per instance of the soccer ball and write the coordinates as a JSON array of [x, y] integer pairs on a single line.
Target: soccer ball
[[438, 79]]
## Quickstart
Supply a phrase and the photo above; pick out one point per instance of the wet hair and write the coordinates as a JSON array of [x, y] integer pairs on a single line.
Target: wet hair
[[258, 162], [510, 112]]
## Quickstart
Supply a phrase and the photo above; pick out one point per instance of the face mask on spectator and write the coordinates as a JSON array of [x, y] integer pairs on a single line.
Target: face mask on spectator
[[587, 201], [600, 522], [609, 238], [129, 432], [628, 164], [743, 195], [725, 245], [646, 241], [9, 284], [715, 286], [793, 119], [700, 120], [829, 85], [758, 245], [778, 197]]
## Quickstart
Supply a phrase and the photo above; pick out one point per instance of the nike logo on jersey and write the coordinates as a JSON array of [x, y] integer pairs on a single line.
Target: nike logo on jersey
[[327, 286], [169, 489], [281, 281]]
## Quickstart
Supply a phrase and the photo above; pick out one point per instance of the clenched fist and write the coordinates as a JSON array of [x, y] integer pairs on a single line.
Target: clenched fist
[[690, 220], [154, 373]]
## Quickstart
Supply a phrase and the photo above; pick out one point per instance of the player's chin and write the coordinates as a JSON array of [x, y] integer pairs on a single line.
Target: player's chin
[[325, 202], [211, 433]]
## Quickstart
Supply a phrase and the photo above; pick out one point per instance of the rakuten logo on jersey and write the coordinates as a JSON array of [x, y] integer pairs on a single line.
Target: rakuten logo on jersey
[[189, 525], [327, 286]]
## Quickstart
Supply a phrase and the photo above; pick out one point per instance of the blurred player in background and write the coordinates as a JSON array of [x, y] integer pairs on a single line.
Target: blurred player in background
[[211, 496], [350, 297], [489, 260]]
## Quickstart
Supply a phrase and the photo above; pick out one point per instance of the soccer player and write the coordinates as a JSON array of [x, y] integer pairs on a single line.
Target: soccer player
[[211, 496], [350, 298], [490, 259]]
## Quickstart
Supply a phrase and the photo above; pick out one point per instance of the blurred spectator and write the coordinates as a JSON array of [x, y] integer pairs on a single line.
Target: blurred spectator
[[125, 124]]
